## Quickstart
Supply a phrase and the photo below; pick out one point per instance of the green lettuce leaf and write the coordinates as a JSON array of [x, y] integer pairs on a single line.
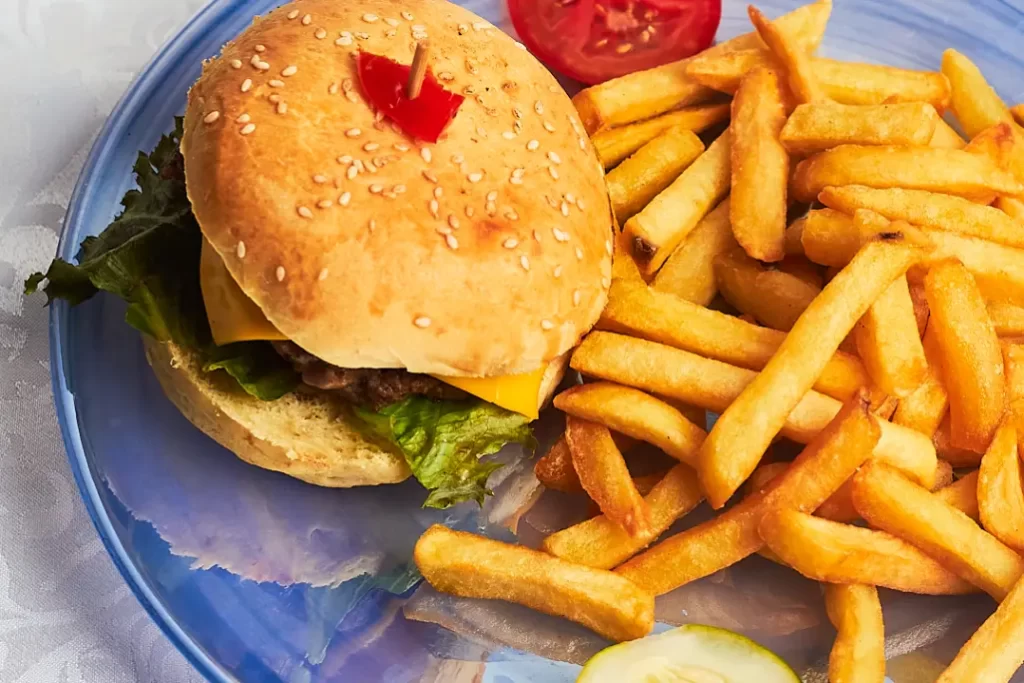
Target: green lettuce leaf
[[149, 256], [444, 442]]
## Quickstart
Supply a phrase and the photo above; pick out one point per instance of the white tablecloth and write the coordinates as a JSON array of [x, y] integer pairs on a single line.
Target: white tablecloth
[[65, 613]]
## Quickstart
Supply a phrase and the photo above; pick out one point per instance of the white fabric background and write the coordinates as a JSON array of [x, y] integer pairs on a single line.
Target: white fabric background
[[65, 614]]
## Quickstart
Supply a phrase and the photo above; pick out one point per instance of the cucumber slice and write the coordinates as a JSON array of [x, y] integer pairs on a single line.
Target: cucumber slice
[[688, 654]]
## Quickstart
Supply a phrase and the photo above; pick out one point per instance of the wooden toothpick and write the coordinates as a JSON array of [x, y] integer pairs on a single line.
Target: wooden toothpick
[[418, 71]]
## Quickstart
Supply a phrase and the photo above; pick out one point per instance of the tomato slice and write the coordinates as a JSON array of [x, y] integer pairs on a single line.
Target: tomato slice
[[383, 82], [594, 40]]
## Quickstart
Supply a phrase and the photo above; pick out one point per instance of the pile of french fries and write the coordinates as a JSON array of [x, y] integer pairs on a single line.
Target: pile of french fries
[[839, 268]]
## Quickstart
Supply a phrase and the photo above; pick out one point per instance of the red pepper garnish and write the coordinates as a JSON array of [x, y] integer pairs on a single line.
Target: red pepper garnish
[[383, 82]]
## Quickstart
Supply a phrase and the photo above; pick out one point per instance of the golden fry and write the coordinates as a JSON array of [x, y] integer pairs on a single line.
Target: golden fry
[[889, 343], [996, 650], [946, 137], [813, 128], [858, 653], [950, 171], [1013, 364], [969, 351], [472, 566], [1000, 496], [604, 475], [632, 412], [670, 216], [832, 552], [637, 180], [839, 506], [890, 502], [928, 210], [962, 494], [800, 77], [616, 144], [816, 473], [600, 543], [774, 297], [1014, 208], [746, 428], [764, 475], [925, 407], [1007, 319], [760, 167], [975, 103], [959, 457], [689, 272]]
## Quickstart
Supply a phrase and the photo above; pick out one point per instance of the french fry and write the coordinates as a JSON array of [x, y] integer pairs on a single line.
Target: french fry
[[889, 343], [764, 475], [921, 312], [794, 233], [962, 494], [946, 137], [616, 144], [644, 94], [944, 477], [969, 351], [652, 168], [639, 311], [623, 265], [816, 473], [813, 128], [1008, 319], [803, 269], [713, 385], [746, 428], [689, 272], [944, 448], [975, 103], [1013, 364], [472, 566], [925, 407], [604, 475], [929, 210], [760, 167], [858, 653], [677, 209], [1000, 496], [772, 296], [949, 171], [632, 412], [1003, 143], [823, 550], [600, 543], [996, 650], [843, 82], [839, 506], [555, 471], [889, 501], [797, 64], [1014, 208]]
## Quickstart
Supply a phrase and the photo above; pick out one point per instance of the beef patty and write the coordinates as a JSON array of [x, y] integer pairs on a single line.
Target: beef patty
[[371, 387]]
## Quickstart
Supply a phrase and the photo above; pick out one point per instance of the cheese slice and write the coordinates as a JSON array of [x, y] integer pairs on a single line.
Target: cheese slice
[[234, 317]]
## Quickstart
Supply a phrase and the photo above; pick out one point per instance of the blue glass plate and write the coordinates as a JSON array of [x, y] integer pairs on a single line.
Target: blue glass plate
[[261, 578]]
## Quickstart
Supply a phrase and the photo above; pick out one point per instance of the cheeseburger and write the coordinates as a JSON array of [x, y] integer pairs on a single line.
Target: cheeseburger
[[350, 268]]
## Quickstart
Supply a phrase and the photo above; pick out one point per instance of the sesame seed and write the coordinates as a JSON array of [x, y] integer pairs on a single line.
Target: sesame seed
[[307, 20], [429, 175], [554, 88], [343, 40], [260, 48], [211, 117], [279, 273], [421, 321], [353, 132], [558, 271], [470, 211], [275, 83], [564, 209], [532, 145], [608, 246], [508, 135], [244, 118], [370, 18], [443, 230], [560, 235], [519, 45], [516, 180], [434, 207], [583, 143], [323, 275], [576, 297], [293, 14], [579, 254], [407, 16], [445, 76], [305, 212], [462, 29], [324, 204], [518, 172], [376, 189], [536, 235], [274, 98], [371, 147], [451, 242], [392, 22], [246, 85], [236, 63], [480, 25], [570, 197], [289, 71], [579, 204], [510, 243], [481, 132], [248, 128], [490, 208], [457, 159], [351, 96], [538, 107], [362, 35], [370, 166], [372, 225], [352, 172], [263, 66], [547, 324], [549, 127], [524, 261], [255, 61], [453, 221], [345, 159], [438, 191], [320, 34], [282, 107], [553, 171], [475, 177], [605, 282], [511, 214], [345, 198], [319, 179], [553, 156], [240, 249], [517, 112], [419, 28], [401, 147], [426, 154]]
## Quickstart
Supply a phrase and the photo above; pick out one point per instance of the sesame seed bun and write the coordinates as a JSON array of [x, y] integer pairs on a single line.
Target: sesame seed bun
[[485, 254]]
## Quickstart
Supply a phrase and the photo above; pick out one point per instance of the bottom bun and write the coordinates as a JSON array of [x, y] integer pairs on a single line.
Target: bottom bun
[[305, 436]]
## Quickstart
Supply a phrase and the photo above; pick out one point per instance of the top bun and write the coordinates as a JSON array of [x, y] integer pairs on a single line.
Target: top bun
[[487, 253]]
